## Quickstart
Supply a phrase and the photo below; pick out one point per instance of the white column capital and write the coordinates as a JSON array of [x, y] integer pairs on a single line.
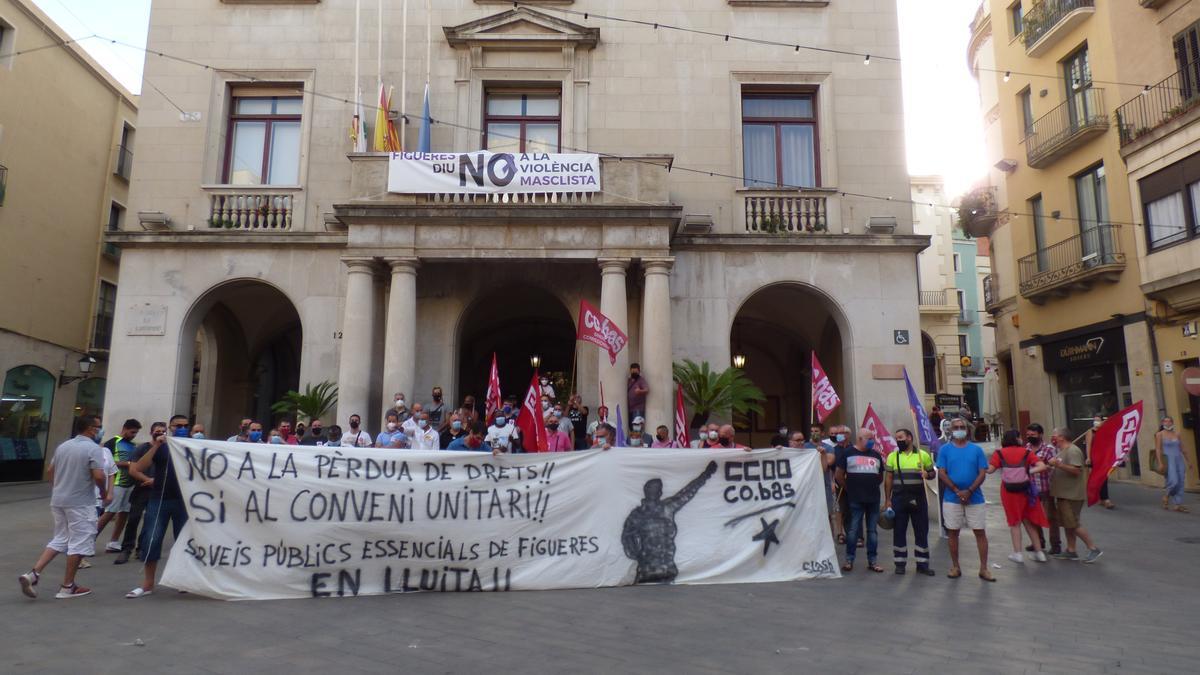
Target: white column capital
[[403, 264], [613, 265], [657, 265], [361, 265]]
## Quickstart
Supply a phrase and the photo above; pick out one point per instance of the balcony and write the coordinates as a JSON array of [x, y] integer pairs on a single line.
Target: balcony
[[1168, 100], [251, 207], [991, 292], [790, 212], [1050, 21], [124, 162], [937, 303], [1072, 265], [966, 316], [1070, 125]]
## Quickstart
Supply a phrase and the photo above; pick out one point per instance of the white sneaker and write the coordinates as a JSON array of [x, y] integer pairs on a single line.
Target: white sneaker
[[29, 583], [72, 591], [1040, 556], [1017, 558], [84, 564], [113, 547]]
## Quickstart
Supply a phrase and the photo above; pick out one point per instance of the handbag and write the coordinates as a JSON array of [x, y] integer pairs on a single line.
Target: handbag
[[1155, 466]]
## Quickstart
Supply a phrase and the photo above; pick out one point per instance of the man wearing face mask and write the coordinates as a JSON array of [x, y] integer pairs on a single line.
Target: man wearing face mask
[[710, 437], [454, 430], [725, 434], [604, 436], [502, 434], [545, 388], [401, 407], [165, 506], [141, 494], [904, 492], [285, 431], [780, 438], [472, 440], [355, 437], [315, 435], [436, 411], [860, 473], [1035, 442], [962, 468], [243, 434], [425, 437], [391, 436], [637, 391], [578, 415], [198, 431], [637, 429], [662, 437], [557, 440], [409, 426]]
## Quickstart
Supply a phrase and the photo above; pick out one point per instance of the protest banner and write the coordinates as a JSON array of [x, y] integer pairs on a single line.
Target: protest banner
[[485, 172], [268, 521]]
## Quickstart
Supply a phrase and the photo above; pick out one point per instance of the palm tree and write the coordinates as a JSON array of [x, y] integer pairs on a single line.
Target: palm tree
[[708, 391], [312, 404]]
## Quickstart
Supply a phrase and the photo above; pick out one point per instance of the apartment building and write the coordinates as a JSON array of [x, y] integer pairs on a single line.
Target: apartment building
[[66, 149]]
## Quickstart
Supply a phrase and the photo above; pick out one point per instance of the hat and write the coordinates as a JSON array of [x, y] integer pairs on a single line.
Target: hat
[[639, 420]]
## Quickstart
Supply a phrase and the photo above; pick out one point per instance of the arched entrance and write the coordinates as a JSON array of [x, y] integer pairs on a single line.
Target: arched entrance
[[515, 324], [25, 409], [776, 330], [248, 338]]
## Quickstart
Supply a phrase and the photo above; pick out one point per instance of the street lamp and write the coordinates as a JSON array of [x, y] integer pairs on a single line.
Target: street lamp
[[739, 361], [86, 364], [535, 361]]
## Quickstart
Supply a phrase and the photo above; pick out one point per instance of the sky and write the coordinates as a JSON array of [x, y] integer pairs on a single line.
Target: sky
[[943, 127]]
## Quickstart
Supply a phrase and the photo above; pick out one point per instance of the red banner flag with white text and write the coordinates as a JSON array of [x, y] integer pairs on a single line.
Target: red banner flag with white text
[[492, 401], [597, 329], [883, 438], [681, 427], [1111, 444], [530, 422], [824, 398]]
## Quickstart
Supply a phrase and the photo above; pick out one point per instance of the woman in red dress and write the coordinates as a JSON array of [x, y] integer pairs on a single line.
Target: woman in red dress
[[1017, 493]]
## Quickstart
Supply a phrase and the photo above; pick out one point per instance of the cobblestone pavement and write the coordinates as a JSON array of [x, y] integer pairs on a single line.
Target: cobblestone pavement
[[1128, 613]]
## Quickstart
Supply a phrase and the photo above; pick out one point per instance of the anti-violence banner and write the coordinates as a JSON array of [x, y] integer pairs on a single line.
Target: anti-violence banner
[[267, 521], [484, 172]]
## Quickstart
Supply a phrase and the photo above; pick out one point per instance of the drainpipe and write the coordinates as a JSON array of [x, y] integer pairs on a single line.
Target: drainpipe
[[1156, 367]]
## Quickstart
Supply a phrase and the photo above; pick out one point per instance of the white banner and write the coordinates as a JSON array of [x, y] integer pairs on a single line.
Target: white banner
[[269, 521], [484, 172]]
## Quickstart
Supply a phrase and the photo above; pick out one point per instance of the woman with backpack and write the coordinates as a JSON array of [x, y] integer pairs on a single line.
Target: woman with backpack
[[1016, 464]]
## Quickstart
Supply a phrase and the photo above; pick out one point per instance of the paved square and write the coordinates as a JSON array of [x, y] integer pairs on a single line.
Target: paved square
[[1133, 612]]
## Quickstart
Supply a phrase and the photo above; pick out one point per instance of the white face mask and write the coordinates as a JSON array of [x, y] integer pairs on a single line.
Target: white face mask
[[1169, 427], [545, 405], [712, 435], [959, 434], [637, 427], [1096, 424], [391, 426], [399, 403], [422, 423]]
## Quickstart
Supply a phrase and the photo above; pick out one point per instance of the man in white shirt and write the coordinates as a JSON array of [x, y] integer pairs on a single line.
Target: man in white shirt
[[501, 434], [424, 436], [356, 437], [75, 471], [410, 425]]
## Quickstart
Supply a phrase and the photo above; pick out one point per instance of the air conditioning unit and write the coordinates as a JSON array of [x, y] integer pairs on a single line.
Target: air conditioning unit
[[881, 224]]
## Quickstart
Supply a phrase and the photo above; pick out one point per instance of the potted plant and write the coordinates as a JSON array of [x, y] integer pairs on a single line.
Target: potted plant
[[313, 403], [977, 212], [709, 392]]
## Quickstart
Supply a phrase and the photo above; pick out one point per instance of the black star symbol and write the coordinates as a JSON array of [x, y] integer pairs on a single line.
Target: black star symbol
[[767, 534]]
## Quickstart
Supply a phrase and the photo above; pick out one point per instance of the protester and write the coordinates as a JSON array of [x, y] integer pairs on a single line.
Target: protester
[[564, 423], [255, 433], [356, 437], [118, 508], [860, 472], [604, 436], [637, 391], [424, 437], [712, 436], [578, 414], [1173, 464], [334, 436], [637, 431], [725, 438], [781, 437], [1035, 442], [409, 426], [935, 417], [401, 407], [963, 468], [841, 441], [827, 448], [275, 437], [285, 431], [139, 497], [1017, 466], [316, 433], [471, 441], [301, 430], [454, 430], [76, 469], [198, 431], [243, 434], [908, 467], [391, 436], [601, 418], [436, 411], [662, 437], [1087, 445], [501, 436], [1068, 485], [556, 439], [545, 388], [165, 505]]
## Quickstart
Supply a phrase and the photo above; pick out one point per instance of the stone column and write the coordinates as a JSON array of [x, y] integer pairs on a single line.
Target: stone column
[[614, 378], [656, 343], [400, 333], [358, 336]]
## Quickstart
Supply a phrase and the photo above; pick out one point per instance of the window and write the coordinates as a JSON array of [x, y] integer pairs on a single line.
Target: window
[[779, 140], [8, 44], [116, 218], [1165, 221], [1187, 60], [1039, 233], [125, 153], [1077, 71], [263, 146], [962, 300], [1016, 15], [957, 262], [1026, 110], [1171, 203], [1091, 194], [963, 349], [106, 306], [523, 121]]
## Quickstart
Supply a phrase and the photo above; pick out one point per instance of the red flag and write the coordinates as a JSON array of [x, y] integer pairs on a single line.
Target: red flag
[[1111, 444], [492, 402], [824, 398], [529, 420], [597, 329], [681, 427], [883, 438]]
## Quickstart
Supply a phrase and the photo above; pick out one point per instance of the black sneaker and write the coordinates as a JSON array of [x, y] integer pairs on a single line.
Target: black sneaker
[[1066, 555], [122, 559], [899, 570], [926, 571]]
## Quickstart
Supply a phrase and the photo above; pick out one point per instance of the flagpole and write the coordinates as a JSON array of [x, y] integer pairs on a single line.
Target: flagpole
[[403, 72], [428, 40], [379, 50], [357, 31], [574, 364]]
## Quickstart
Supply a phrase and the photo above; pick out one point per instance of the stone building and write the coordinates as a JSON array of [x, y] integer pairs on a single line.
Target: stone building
[[66, 148], [249, 274]]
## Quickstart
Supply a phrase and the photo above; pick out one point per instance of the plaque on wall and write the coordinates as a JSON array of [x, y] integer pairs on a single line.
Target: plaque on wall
[[147, 319]]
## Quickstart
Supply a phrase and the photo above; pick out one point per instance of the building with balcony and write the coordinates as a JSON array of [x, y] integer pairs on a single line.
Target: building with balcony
[[66, 139], [1160, 143], [263, 254], [1063, 270]]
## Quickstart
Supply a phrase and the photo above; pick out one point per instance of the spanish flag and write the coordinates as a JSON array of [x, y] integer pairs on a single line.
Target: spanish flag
[[386, 138]]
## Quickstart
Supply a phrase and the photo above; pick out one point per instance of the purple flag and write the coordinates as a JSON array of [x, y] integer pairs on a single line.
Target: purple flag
[[925, 432], [620, 441]]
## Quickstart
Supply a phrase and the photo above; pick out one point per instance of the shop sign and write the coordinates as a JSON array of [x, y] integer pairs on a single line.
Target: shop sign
[[949, 403], [1089, 349]]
